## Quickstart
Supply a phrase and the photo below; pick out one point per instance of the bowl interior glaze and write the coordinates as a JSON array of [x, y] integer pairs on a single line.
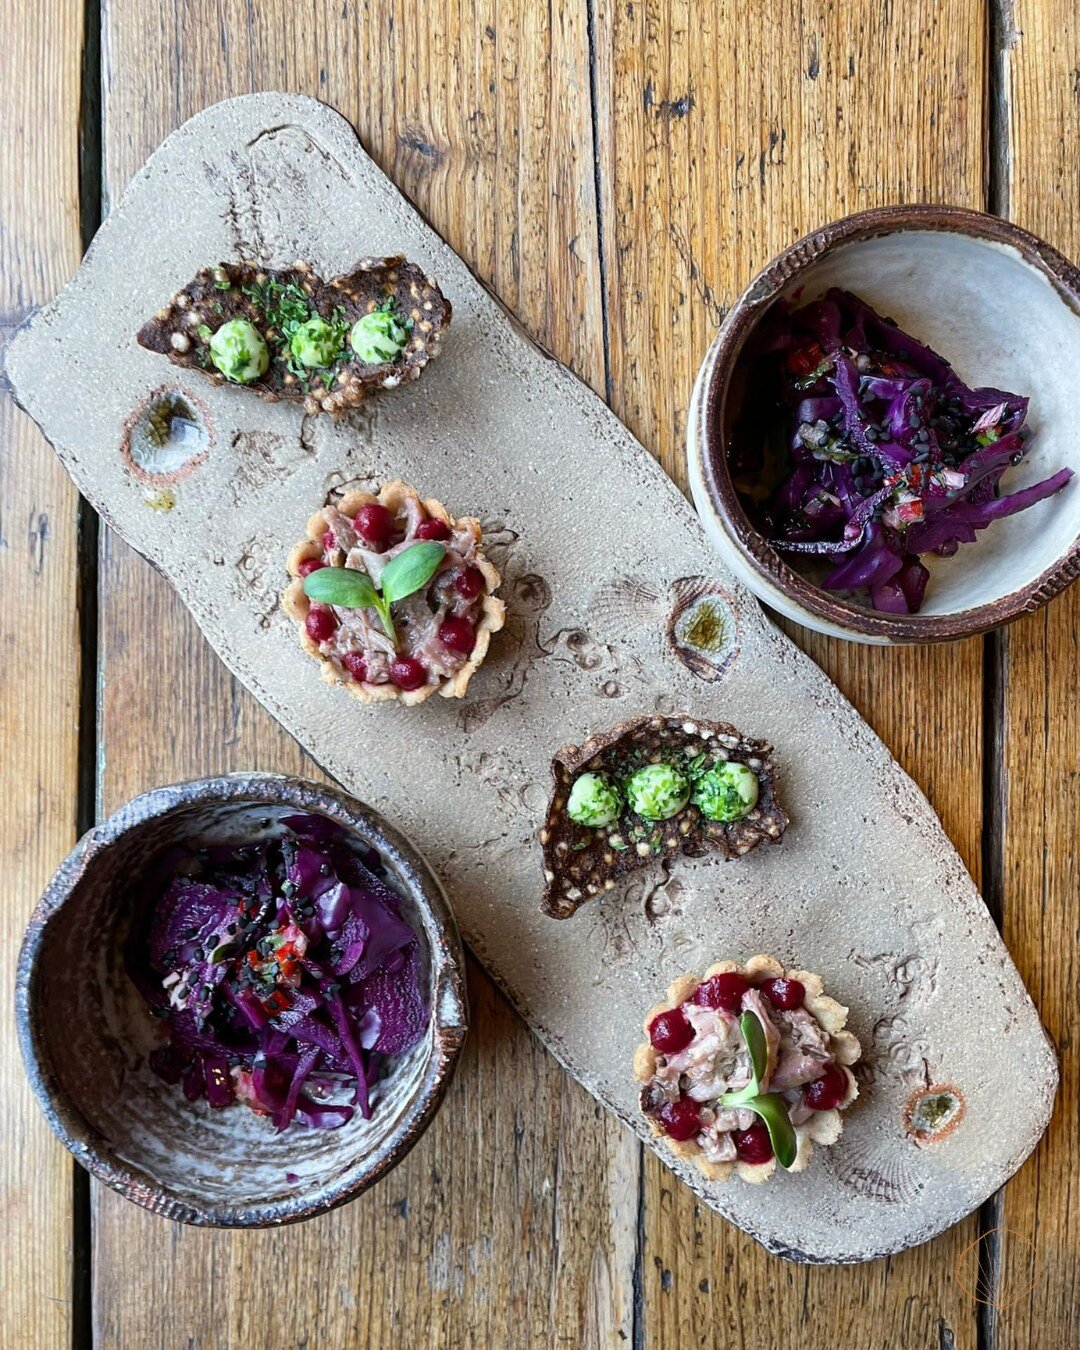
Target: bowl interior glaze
[[87, 1034], [1003, 315]]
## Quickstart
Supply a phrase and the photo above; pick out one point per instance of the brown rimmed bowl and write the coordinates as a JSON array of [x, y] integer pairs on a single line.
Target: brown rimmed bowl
[[86, 1033], [1004, 308]]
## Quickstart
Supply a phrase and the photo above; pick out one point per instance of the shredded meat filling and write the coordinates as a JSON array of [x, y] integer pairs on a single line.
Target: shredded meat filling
[[717, 1062], [418, 617]]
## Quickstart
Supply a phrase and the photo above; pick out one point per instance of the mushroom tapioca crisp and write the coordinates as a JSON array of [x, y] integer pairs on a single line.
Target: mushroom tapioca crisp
[[287, 334], [651, 788]]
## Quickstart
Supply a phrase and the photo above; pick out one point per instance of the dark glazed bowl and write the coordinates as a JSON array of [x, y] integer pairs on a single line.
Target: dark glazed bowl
[[1004, 308], [86, 1033]]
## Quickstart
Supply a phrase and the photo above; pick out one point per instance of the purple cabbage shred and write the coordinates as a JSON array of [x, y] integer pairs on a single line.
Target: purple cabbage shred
[[282, 974], [887, 454]]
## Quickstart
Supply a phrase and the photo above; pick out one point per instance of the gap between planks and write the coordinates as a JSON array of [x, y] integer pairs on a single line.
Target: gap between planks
[[999, 19], [88, 537]]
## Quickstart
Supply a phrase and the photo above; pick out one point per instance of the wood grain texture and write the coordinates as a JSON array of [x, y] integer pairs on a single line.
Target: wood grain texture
[[725, 132], [1040, 60], [40, 54], [514, 1220]]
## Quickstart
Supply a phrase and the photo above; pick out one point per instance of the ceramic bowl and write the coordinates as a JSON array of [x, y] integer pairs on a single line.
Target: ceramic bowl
[[1004, 308], [86, 1033]]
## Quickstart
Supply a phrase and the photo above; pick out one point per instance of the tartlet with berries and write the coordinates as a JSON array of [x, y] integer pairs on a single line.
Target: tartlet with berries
[[393, 596], [747, 1067]]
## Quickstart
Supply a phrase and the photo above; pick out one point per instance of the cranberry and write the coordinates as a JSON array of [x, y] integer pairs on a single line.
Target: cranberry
[[786, 994], [721, 991], [320, 624], [433, 529], [670, 1032], [458, 635], [680, 1119], [408, 673], [355, 664], [375, 523], [469, 583], [308, 566], [753, 1145], [828, 1091]]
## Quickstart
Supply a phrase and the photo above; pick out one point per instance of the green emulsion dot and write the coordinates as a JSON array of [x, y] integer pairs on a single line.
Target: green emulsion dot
[[657, 791], [378, 338], [237, 349], [594, 801]]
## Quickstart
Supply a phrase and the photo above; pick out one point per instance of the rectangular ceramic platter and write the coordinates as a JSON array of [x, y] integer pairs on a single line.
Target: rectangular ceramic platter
[[595, 545]]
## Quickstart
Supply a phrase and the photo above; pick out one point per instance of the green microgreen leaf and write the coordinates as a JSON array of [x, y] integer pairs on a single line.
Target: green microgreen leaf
[[770, 1106], [410, 570], [349, 588], [204, 332], [341, 586], [773, 1110], [757, 1047]]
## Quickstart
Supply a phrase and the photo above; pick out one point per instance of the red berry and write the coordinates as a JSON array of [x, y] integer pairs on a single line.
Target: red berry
[[786, 994], [408, 673], [721, 991], [355, 664], [457, 635], [670, 1032], [680, 1119], [308, 566], [433, 529], [320, 624], [375, 523], [469, 583], [753, 1145], [828, 1091]]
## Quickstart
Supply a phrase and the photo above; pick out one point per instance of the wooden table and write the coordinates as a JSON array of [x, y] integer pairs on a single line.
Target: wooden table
[[616, 170]]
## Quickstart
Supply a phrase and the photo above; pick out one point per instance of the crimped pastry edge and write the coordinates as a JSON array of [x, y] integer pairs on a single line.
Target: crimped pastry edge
[[296, 604], [823, 1128]]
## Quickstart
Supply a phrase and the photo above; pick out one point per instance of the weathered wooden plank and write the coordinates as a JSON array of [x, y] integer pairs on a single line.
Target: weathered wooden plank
[[726, 131], [515, 1218], [1038, 63], [40, 245]]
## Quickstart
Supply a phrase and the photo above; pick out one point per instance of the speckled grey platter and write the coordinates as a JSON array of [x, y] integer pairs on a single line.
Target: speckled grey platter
[[603, 561]]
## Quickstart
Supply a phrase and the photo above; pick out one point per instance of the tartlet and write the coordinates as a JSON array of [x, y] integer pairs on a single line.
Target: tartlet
[[585, 855], [456, 607], [696, 1053], [296, 336]]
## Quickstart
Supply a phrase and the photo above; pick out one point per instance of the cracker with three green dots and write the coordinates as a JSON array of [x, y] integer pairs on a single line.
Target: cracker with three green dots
[[287, 334], [656, 765]]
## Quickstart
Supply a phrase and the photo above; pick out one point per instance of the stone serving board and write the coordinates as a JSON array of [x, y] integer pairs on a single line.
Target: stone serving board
[[602, 560]]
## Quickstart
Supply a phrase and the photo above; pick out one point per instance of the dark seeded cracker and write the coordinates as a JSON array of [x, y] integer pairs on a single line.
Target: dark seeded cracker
[[580, 862], [173, 331]]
